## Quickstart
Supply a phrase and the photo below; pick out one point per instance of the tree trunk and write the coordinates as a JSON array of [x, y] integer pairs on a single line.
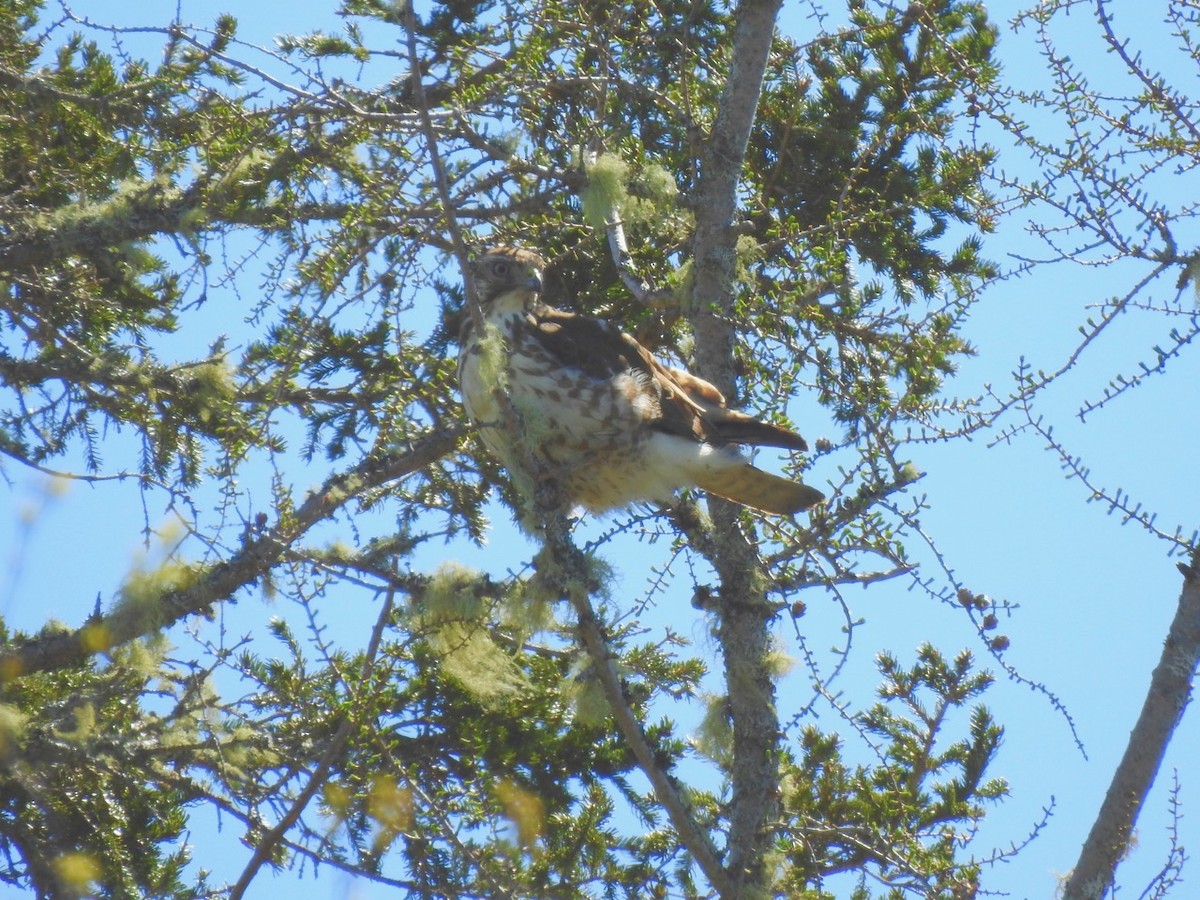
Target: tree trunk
[[743, 613]]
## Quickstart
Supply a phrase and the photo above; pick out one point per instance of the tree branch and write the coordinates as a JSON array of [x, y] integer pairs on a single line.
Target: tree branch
[[715, 241], [1169, 694], [575, 582], [266, 847], [221, 580]]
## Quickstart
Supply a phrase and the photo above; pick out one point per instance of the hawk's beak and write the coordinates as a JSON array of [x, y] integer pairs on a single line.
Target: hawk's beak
[[535, 281]]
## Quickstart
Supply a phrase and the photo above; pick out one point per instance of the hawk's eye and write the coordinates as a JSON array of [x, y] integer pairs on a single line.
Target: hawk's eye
[[500, 268]]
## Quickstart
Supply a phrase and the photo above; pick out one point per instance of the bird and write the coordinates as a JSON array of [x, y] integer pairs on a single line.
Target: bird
[[596, 411]]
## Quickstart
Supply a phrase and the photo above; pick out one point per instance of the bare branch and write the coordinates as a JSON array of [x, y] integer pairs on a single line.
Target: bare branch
[[220, 581], [1169, 694]]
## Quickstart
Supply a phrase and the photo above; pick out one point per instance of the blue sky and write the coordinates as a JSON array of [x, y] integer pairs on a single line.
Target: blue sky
[[1094, 597]]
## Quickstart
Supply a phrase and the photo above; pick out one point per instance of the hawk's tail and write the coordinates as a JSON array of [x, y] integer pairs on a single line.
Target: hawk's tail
[[760, 490]]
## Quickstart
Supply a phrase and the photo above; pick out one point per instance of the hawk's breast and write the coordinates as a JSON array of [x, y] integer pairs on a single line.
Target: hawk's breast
[[588, 431]]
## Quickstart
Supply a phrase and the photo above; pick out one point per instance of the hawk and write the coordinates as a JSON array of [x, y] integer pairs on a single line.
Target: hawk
[[596, 411]]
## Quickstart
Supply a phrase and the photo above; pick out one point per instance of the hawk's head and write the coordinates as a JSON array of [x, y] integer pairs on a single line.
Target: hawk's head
[[500, 270]]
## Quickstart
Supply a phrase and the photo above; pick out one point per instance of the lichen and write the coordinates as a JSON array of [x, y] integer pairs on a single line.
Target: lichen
[[608, 196], [605, 193], [452, 618]]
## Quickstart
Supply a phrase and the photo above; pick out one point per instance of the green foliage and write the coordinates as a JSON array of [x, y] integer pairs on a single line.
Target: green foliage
[[901, 820], [862, 175], [92, 790], [856, 142], [142, 203], [95, 163], [530, 786]]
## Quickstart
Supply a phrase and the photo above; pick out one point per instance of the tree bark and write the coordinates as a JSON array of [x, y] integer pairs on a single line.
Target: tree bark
[[1169, 694], [743, 613]]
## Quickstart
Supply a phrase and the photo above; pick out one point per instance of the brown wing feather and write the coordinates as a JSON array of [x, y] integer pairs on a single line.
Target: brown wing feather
[[688, 406], [603, 351], [726, 425], [591, 345], [735, 427]]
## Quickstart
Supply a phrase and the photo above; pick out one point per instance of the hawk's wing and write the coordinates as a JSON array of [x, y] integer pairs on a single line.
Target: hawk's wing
[[688, 406]]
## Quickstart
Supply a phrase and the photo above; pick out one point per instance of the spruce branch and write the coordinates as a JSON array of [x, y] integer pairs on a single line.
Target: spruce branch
[[359, 691]]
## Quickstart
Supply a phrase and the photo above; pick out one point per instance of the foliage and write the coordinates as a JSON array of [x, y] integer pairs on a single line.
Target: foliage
[[90, 791], [920, 796], [467, 751]]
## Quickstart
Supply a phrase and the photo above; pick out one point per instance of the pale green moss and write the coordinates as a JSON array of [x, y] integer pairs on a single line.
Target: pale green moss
[[470, 657], [585, 693], [659, 183], [605, 194], [451, 595], [527, 613], [143, 657], [608, 197], [139, 608], [778, 661], [211, 388], [193, 221], [714, 736], [452, 617], [12, 728], [493, 358], [524, 809], [76, 872], [85, 724], [553, 582], [682, 281], [747, 253]]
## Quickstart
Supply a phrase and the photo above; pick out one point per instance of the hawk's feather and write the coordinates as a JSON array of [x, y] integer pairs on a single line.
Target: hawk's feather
[[600, 413], [689, 406]]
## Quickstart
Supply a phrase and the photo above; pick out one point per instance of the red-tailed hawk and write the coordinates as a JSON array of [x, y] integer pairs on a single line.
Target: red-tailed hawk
[[597, 412]]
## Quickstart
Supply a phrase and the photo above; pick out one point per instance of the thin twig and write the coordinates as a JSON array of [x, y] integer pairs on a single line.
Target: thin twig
[[441, 182], [266, 847], [218, 582]]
